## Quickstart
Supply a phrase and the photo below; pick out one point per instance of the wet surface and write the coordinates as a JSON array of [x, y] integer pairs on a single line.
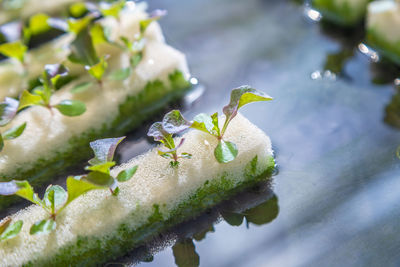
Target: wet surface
[[331, 125]]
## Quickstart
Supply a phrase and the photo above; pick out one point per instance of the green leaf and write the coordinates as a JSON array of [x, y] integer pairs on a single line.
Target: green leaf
[[113, 10], [154, 16], [4, 224], [38, 24], [53, 72], [215, 121], [81, 87], [98, 34], [11, 230], [43, 227], [242, 96], [78, 9], [115, 192], [225, 151], [14, 50], [104, 149], [135, 59], [82, 50], [77, 25], [71, 108], [103, 167], [55, 198], [77, 187], [8, 110], [99, 179], [127, 174], [186, 156], [174, 122], [27, 99], [25, 190], [204, 122], [120, 75], [97, 70], [14, 132]]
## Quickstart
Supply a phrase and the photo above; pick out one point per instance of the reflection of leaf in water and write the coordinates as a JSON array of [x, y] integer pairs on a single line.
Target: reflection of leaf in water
[[392, 112], [335, 61], [201, 235], [264, 213], [185, 254], [234, 219], [261, 214]]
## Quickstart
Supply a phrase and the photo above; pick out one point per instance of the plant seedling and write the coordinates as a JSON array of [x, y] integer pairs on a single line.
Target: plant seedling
[[227, 151], [41, 95], [8, 110], [15, 50], [9, 230], [100, 165], [172, 123], [53, 202]]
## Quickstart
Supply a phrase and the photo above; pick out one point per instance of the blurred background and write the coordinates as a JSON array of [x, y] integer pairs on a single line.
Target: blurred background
[[335, 200]]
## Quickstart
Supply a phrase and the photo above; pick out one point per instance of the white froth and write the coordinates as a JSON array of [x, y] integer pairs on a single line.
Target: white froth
[[98, 213]]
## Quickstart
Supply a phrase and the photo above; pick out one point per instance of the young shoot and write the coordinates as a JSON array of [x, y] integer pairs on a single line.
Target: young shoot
[[16, 50], [8, 110], [135, 47], [100, 166], [172, 123], [41, 95], [9, 230], [55, 199], [227, 151]]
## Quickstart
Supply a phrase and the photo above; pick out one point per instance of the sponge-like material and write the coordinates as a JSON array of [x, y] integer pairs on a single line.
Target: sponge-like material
[[98, 227], [48, 133], [14, 79], [383, 22]]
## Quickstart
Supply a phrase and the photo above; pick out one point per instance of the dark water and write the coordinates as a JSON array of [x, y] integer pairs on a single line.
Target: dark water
[[339, 180]]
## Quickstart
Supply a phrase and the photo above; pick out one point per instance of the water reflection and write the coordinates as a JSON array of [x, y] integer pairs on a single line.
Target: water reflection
[[257, 205]]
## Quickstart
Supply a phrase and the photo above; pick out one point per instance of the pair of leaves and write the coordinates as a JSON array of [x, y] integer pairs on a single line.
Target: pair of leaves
[[172, 123], [41, 95], [9, 230], [101, 164], [227, 151], [8, 110]]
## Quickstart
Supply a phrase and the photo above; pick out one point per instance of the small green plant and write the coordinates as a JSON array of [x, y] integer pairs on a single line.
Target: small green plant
[[172, 123], [8, 110], [227, 151], [99, 166], [9, 230], [53, 202], [41, 95]]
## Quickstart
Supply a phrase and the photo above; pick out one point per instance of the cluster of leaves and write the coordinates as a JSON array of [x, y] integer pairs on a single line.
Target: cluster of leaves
[[99, 166], [56, 198], [41, 95], [172, 123], [225, 151], [8, 110]]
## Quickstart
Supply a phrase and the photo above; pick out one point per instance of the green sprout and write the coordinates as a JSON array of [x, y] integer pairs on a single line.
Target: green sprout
[[100, 166], [9, 230], [172, 123], [8, 110], [227, 151], [41, 95], [54, 201]]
